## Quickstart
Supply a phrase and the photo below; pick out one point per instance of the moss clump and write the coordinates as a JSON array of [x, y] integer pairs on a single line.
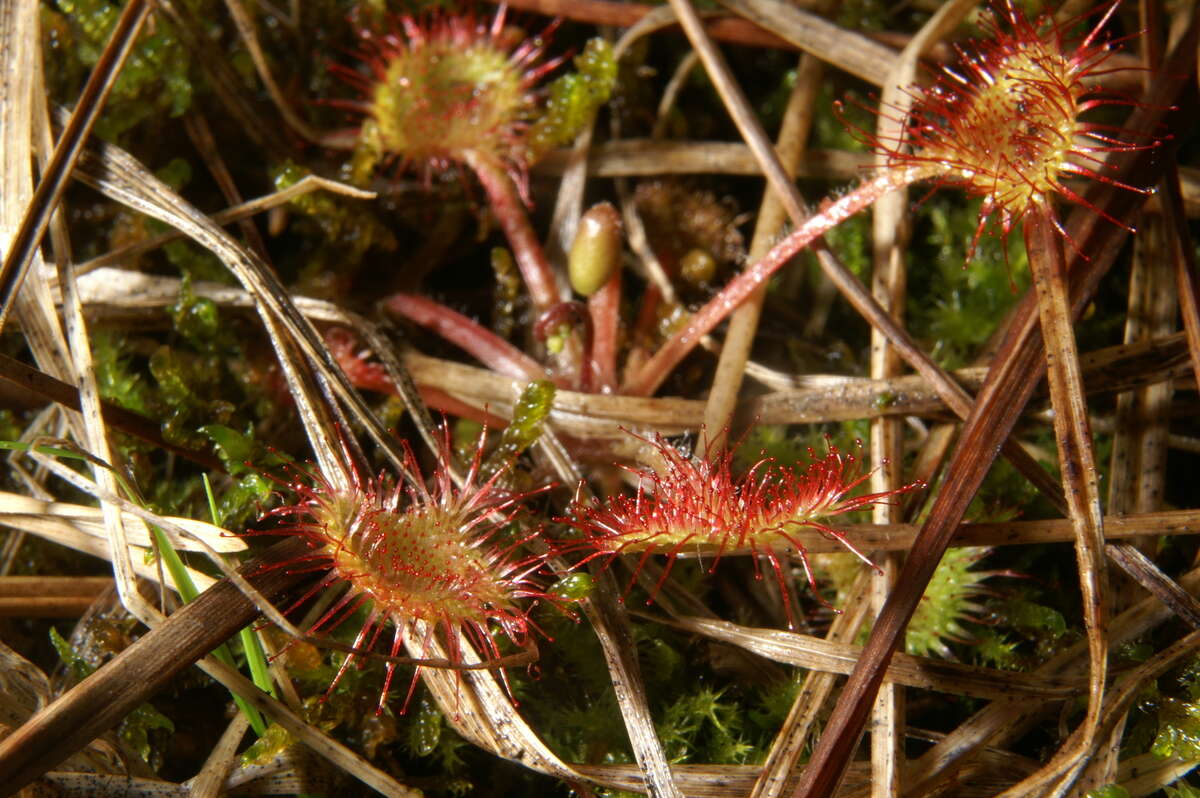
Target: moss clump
[[154, 81], [529, 413], [573, 100]]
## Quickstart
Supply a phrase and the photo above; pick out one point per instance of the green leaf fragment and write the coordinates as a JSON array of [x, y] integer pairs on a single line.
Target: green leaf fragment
[[269, 745], [1109, 791], [530, 411], [77, 665], [573, 99], [574, 587], [425, 729], [137, 726]]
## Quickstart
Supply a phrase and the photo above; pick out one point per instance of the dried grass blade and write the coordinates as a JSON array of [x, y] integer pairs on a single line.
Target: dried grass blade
[[635, 157], [1147, 574], [49, 596], [121, 177], [15, 507], [860, 56], [88, 540], [245, 27], [1044, 244], [19, 252], [209, 782], [889, 285], [792, 739], [236, 213], [620, 653], [1187, 273], [743, 323], [477, 706], [925, 673]]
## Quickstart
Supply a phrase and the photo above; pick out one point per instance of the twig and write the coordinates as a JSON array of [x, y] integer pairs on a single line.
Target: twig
[[743, 324]]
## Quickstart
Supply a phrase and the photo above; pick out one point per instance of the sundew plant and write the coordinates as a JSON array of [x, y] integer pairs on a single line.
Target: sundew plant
[[541, 398]]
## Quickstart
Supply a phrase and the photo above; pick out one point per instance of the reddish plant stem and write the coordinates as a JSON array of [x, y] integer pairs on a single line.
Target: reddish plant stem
[[642, 330], [509, 208], [369, 376], [604, 307], [487, 347], [650, 376]]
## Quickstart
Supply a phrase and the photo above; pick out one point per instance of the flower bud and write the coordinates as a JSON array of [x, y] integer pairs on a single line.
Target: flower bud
[[596, 252]]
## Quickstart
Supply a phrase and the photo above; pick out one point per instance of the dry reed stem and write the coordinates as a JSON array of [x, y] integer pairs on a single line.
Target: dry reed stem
[[19, 251], [628, 15], [1137, 475], [1073, 435], [210, 781], [104, 698], [795, 735], [743, 322], [49, 596], [819, 654], [890, 236], [647, 157], [1183, 256], [847, 50]]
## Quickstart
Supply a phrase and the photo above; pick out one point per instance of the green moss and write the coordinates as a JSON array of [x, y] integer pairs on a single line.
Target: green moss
[[339, 233], [949, 601], [529, 413], [115, 376], [507, 294], [702, 727], [198, 320], [573, 100], [1180, 790], [1179, 729], [246, 460], [955, 305], [1109, 791], [143, 729], [851, 241], [153, 83], [1044, 625]]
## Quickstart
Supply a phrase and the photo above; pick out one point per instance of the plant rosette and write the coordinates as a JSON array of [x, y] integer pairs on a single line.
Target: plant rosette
[[422, 551], [700, 503]]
